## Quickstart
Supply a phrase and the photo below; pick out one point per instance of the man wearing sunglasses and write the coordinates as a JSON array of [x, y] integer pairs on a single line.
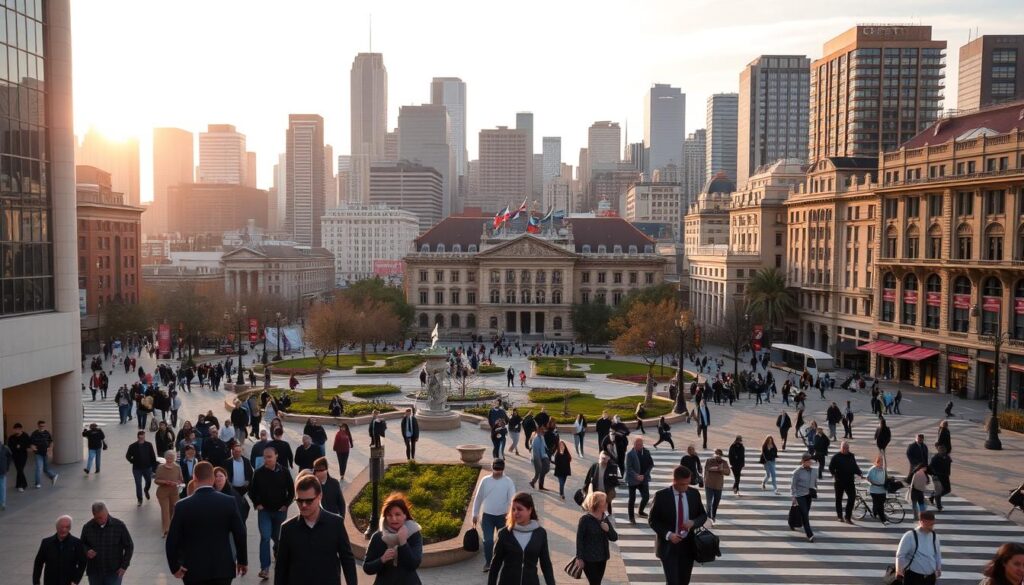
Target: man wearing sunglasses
[[314, 547]]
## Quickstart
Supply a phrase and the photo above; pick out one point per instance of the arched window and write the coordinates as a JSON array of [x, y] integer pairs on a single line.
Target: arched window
[[889, 297], [909, 300], [439, 248], [556, 297], [890, 243], [913, 242], [586, 248], [424, 320], [961, 304], [964, 242], [510, 297], [439, 320], [542, 277], [994, 242], [456, 247], [1018, 310], [540, 297], [932, 301], [425, 248], [935, 242], [632, 249], [471, 321], [472, 248], [648, 248], [495, 296], [524, 297], [617, 248], [991, 302], [493, 323], [602, 249], [557, 324], [456, 321]]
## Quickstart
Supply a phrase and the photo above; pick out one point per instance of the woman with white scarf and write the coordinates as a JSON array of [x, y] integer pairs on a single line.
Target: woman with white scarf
[[396, 549], [521, 545]]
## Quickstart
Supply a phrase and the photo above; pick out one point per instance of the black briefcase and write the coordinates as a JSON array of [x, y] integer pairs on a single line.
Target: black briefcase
[[795, 520], [705, 546], [471, 540]]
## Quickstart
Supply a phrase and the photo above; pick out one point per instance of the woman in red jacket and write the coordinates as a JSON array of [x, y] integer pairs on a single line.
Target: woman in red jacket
[[342, 445]]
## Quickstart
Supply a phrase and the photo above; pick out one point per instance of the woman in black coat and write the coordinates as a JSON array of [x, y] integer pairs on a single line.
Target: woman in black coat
[[882, 436], [515, 564], [664, 434], [563, 466], [395, 551], [944, 437], [593, 533]]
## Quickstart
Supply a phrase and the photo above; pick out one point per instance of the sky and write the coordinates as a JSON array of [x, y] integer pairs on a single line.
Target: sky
[[141, 64]]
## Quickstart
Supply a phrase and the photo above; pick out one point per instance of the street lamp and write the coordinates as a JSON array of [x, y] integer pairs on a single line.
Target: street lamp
[[684, 322], [239, 313], [277, 357], [263, 358], [993, 443]]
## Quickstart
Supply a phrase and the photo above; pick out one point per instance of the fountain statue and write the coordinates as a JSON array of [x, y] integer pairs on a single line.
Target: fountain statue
[[436, 415]]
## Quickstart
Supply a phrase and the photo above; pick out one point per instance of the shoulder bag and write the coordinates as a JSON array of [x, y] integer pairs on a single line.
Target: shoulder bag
[[705, 546], [572, 570]]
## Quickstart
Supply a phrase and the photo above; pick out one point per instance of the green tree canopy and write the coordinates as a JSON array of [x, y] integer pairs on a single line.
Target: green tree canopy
[[590, 322], [769, 300], [365, 291]]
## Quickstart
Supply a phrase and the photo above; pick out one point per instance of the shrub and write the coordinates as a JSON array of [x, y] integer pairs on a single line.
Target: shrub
[[374, 390], [1012, 420], [489, 369], [557, 370], [551, 394], [364, 408], [640, 378], [401, 364], [479, 411]]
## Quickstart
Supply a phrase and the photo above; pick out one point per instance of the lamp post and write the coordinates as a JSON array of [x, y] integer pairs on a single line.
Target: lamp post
[[376, 475], [684, 322], [993, 443], [277, 357], [263, 358], [239, 313]]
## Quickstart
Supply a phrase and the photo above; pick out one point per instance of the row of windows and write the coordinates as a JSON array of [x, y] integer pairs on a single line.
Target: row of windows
[[961, 304], [455, 321]]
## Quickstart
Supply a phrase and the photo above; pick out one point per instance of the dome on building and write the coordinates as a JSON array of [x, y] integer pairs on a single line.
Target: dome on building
[[720, 183]]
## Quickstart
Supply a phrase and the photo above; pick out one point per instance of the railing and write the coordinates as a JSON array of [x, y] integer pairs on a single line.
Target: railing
[[965, 176]]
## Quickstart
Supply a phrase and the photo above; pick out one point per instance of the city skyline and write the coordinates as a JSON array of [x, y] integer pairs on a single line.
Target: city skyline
[[172, 87]]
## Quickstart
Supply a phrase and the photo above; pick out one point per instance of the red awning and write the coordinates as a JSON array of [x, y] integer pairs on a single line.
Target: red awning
[[894, 350], [960, 359], [1016, 367], [875, 345], [918, 354]]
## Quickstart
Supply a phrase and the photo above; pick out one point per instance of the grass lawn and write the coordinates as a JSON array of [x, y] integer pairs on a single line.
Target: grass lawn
[[603, 366], [587, 404], [306, 402], [438, 496], [346, 361], [399, 364]]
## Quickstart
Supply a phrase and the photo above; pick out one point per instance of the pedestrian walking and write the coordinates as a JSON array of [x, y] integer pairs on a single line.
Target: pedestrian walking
[[664, 434], [410, 433], [769, 454], [541, 462], [640, 412], [108, 547], [579, 432], [42, 443], [703, 421], [61, 558], [639, 465], [919, 555], [563, 466], [803, 489], [603, 426], [490, 504], [783, 423], [95, 442], [715, 470], [918, 480], [510, 377], [876, 489], [917, 453], [521, 547], [821, 445], [163, 438], [377, 428], [6, 456], [593, 533], [737, 460], [940, 468], [142, 456], [343, 445], [314, 547], [515, 427], [522, 378], [844, 469], [848, 421], [395, 551], [944, 437], [272, 493], [197, 544], [692, 462], [1006, 567], [675, 513], [832, 416], [883, 436], [306, 453], [168, 479]]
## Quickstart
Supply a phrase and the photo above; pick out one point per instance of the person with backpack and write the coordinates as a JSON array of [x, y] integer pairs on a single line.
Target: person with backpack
[[919, 556]]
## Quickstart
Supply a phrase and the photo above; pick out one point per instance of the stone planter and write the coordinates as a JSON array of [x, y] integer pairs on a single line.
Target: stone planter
[[471, 454]]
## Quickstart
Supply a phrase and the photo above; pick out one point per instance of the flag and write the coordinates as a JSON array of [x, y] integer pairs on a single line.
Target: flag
[[533, 226], [548, 215], [522, 209], [501, 217], [560, 214]]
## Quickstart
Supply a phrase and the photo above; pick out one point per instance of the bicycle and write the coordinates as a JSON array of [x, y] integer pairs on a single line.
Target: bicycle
[[894, 512]]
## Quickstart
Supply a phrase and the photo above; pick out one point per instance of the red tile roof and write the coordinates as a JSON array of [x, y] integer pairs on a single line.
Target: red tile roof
[[1003, 119], [594, 231]]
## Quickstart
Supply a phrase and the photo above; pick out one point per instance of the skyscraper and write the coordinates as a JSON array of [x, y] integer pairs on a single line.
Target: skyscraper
[[250, 169], [552, 153], [504, 169], [344, 172], [773, 112], [423, 134], [524, 122], [330, 180], [991, 71], [721, 134], [305, 178], [120, 158], [664, 126], [369, 119], [222, 155], [874, 88], [277, 218], [173, 163], [409, 186], [694, 165], [604, 150], [450, 92]]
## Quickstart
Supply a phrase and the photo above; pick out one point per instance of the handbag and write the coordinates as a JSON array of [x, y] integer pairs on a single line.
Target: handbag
[[813, 493], [471, 540], [572, 570], [152, 425], [706, 546], [578, 497], [795, 519]]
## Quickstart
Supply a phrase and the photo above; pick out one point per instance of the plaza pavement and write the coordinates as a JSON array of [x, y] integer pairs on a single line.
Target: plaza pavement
[[980, 476]]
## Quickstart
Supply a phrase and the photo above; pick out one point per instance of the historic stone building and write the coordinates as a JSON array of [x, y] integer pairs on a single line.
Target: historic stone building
[[951, 257], [471, 280], [299, 274]]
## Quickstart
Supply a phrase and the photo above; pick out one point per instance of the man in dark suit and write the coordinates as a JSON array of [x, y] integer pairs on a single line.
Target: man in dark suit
[[410, 433], [188, 465], [377, 429], [676, 512], [239, 470], [203, 556], [639, 465]]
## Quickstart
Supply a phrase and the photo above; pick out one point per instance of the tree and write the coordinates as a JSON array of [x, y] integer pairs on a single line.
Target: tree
[[369, 322], [590, 322], [326, 330], [768, 298], [734, 333], [665, 291], [119, 319], [375, 289], [648, 330], [192, 314]]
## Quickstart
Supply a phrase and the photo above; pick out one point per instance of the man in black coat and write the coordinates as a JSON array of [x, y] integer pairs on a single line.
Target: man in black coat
[[844, 469], [603, 426], [332, 499], [676, 512], [108, 546], [377, 428], [317, 554], [410, 433], [603, 476], [203, 555], [639, 465], [215, 450], [784, 423], [917, 453], [61, 557], [142, 456], [239, 470]]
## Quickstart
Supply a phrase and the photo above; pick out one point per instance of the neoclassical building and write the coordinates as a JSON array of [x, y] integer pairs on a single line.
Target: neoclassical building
[[296, 273], [473, 281], [951, 257]]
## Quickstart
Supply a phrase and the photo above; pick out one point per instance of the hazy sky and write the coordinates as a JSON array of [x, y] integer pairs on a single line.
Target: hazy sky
[[139, 64]]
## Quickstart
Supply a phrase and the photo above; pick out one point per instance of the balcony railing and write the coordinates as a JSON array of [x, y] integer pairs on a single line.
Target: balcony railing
[[963, 177]]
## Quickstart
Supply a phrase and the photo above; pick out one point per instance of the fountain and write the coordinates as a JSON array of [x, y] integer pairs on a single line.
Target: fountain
[[436, 415]]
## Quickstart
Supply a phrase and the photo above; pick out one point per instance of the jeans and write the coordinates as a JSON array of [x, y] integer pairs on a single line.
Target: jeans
[[832, 431], [142, 416], [645, 494], [917, 502], [488, 524], [561, 485], [804, 503], [769, 474], [514, 445], [577, 440], [713, 498], [94, 454], [122, 412], [851, 494], [139, 474], [270, 529], [105, 579], [43, 466], [540, 469]]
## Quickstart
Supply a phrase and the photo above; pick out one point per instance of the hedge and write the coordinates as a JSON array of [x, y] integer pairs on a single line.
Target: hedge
[[402, 364], [1012, 420], [306, 403], [373, 390], [551, 394], [489, 369], [554, 367]]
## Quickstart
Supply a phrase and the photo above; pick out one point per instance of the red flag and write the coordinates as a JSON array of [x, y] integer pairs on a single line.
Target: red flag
[[501, 217]]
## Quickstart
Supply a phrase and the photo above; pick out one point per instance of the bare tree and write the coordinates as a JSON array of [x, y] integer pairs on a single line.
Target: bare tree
[[325, 332], [734, 333]]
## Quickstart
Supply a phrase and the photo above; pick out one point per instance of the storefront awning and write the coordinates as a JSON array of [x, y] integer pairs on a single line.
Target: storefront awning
[[894, 350], [875, 345], [918, 354], [957, 358]]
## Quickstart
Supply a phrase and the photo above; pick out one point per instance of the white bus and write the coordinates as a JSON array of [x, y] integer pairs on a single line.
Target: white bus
[[798, 359]]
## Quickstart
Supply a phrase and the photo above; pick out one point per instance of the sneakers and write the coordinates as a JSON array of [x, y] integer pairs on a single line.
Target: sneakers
[[21, 489], [86, 471], [264, 575], [38, 486], [810, 538]]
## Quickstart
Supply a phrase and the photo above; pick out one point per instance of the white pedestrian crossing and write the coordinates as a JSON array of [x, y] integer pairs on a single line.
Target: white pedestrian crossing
[[101, 412], [758, 547]]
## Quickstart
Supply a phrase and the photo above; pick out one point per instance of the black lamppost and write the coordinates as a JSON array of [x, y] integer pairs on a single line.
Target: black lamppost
[[263, 358], [993, 443], [239, 313], [277, 357]]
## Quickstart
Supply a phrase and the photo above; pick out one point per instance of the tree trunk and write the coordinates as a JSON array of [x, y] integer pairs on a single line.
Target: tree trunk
[[320, 383], [362, 351]]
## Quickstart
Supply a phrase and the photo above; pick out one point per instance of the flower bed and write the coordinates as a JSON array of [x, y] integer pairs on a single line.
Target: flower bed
[[306, 403], [642, 378], [438, 495], [308, 365], [400, 364], [489, 369], [472, 395], [555, 368]]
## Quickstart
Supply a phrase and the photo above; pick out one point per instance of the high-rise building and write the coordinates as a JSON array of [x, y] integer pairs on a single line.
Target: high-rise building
[[414, 188], [664, 126], [250, 169], [280, 217], [991, 71], [604, 146], [654, 202], [773, 112], [344, 174], [215, 208], [330, 180], [391, 146], [450, 92], [694, 165], [222, 155], [41, 299], [504, 169], [369, 119], [874, 88], [120, 158], [721, 134], [173, 164], [368, 240], [635, 154], [423, 134], [305, 178], [552, 157], [524, 121]]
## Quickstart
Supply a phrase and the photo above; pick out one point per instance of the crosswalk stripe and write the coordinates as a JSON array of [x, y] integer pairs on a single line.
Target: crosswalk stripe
[[100, 412]]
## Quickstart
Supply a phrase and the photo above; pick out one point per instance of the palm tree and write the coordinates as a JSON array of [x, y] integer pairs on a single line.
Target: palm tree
[[768, 298]]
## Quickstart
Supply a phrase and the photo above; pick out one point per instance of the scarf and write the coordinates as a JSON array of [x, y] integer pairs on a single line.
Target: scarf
[[528, 527], [390, 537]]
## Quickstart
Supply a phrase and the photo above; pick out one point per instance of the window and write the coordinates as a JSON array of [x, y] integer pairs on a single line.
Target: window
[[994, 242], [493, 323], [913, 206], [964, 203], [601, 277], [540, 297], [423, 297], [556, 297], [994, 202], [470, 276], [456, 297], [423, 276], [992, 300], [585, 277], [935, 242], [557, 324], [616, 298], [932, 301], [778, 238], [456, 322], [542, 277], [424, 320], [888, 297], [617, 277], [964, 242], [471, 321], [961, 304], [1018, 316], [524, 297], [495, 297], [889, 209], [584, 297], [439, 276], [909, 300], [890, 243], [510, 276], [556, 277], [455, 276], [524, 277], [649, 278], [471, 297], [632, 278], [510, 297], [439, 320], [495, 277], [438, 297]]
